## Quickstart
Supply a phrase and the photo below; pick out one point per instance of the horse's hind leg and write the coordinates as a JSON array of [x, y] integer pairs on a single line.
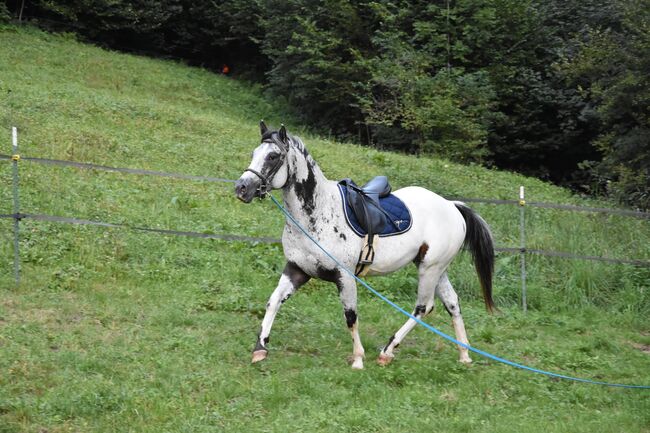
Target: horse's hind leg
[[292, 278], [426, 290], [449, 299]]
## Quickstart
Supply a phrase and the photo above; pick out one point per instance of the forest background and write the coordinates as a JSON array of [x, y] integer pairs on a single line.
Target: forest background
[[557, 89]]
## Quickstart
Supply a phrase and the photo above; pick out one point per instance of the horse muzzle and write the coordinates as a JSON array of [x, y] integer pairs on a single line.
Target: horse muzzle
[[247, 189]]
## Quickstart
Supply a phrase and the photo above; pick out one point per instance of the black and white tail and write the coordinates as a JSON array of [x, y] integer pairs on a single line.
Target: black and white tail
[[478, 240]]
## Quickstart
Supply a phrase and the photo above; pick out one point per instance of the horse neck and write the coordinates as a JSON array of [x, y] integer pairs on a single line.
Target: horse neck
[[306, 184]]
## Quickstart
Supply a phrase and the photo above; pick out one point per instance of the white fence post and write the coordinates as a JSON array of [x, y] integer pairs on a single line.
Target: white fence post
[[15, 157]]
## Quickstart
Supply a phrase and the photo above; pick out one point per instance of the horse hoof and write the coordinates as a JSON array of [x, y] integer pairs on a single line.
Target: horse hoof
[[466, 361], [357, 364], [384, 359], [259, 355]]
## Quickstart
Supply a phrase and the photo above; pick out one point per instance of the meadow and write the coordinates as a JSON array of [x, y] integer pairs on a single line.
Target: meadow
[[116, 330]]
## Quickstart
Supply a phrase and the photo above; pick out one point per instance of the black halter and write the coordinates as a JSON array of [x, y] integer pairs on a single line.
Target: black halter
[[265, 184]]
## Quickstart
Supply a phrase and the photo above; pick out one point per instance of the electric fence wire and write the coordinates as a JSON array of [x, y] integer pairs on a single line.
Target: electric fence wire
[[233, 237]]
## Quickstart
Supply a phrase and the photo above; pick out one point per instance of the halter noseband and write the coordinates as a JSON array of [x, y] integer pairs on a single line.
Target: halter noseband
[[265, 185]]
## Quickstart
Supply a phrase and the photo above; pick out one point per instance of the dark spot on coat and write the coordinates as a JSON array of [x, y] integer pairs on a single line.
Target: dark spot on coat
[[342, 236], [305, 191], [350, 317], [296, 275], [390, 340], [424, 248], [419, 310], [270, 167], [450, 308], [336, 229], [331, 275]]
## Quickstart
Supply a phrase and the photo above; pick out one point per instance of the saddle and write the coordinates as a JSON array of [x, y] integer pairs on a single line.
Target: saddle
[[370, 215], [364, 201]]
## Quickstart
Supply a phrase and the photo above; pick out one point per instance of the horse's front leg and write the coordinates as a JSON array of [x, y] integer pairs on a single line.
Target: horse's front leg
[[348, 293], [292, 278]]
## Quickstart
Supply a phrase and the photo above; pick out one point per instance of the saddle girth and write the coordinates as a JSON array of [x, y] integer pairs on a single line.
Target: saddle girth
[[365, 204], [366, 256]]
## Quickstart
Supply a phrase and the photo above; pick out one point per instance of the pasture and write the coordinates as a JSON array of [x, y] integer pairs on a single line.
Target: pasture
[[114, 330]]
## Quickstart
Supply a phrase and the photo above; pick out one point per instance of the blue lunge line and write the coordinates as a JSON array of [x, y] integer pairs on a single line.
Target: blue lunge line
[[440, 333]]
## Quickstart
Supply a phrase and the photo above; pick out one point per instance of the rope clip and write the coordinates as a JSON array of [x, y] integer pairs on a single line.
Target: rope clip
[[263, 192]]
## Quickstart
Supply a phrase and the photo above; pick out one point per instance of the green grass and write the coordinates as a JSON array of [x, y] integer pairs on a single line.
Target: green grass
[[114, 330]]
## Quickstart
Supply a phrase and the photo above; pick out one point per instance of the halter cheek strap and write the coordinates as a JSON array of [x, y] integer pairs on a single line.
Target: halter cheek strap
[[265, 185]]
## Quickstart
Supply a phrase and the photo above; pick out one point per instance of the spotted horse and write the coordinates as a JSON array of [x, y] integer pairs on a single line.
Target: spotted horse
[[440, 228]]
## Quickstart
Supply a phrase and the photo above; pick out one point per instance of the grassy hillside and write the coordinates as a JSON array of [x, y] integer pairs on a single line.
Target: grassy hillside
[[113, 330]]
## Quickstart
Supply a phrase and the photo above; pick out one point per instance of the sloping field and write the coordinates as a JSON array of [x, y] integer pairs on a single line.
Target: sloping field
[[117, 330]]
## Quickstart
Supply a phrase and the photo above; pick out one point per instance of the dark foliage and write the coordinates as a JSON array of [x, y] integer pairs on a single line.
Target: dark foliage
[[611, 69], [555, 88]]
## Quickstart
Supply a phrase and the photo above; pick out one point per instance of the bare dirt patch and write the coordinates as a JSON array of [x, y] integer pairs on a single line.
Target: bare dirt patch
[[645, 348]]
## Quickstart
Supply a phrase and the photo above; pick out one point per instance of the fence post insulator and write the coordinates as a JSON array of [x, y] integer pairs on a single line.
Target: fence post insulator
[[15, 157]]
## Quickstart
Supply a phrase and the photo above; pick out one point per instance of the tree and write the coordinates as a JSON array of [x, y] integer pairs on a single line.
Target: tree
[[132, 25], [445, 112], [214, 34], [611, 70], [312, 47], [542, 87]]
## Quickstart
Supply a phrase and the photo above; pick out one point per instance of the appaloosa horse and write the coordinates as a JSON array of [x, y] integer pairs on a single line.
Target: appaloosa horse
[[439, 229]]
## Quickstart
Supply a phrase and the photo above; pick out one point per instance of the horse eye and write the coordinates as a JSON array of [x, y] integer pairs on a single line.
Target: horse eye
[[272, 156]]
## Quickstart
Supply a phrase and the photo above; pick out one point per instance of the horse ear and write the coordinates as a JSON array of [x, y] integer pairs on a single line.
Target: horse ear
[[283, 134], [263, 127]]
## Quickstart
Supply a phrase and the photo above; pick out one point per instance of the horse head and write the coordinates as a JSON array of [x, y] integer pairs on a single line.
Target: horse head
[[268, 168]]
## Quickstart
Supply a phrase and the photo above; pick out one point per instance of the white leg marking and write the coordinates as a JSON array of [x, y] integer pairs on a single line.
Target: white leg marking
[[449, 298], [280, 294], [357, 348]]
